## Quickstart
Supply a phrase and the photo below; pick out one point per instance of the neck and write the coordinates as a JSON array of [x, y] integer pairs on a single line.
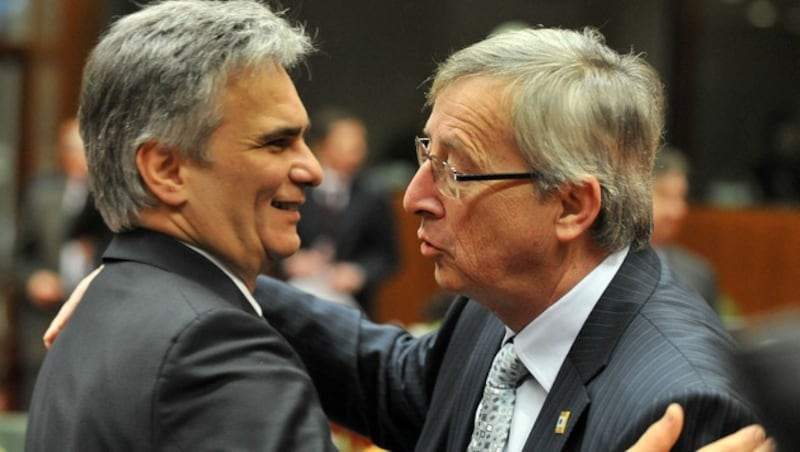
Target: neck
[[518, 308], [173, 224]]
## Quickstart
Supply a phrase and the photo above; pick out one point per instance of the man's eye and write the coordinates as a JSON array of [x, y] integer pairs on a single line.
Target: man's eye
[[277, 144], [456, 164], [463, 165]]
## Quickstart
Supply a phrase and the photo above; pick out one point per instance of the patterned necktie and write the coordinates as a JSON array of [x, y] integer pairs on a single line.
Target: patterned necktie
[[493, 418]]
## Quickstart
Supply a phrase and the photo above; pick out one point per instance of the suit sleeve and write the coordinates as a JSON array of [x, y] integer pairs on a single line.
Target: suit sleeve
[[230, 382], [707, 418], [371, 378]]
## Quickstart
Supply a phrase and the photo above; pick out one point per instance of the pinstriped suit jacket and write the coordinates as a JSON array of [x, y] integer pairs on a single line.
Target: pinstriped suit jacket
[[648, 342]]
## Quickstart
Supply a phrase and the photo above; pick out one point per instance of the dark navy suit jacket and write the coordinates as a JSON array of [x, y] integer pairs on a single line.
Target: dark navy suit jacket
[[165, 353], [648, 342]]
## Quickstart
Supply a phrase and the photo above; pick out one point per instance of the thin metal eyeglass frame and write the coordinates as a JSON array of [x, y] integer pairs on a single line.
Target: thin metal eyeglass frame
[[423, 154]]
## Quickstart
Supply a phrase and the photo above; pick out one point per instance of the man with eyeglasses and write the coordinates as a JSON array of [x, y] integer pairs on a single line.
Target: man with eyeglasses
[[534, 201], [534, 198]]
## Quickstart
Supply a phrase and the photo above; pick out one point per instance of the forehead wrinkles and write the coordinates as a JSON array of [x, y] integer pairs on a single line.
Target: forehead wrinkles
[[472, 113]]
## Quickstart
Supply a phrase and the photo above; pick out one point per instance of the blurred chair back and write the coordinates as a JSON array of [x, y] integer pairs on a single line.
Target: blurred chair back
[[770, 362]]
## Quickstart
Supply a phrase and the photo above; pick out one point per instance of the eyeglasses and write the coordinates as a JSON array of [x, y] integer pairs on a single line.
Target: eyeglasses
[[447, 177]]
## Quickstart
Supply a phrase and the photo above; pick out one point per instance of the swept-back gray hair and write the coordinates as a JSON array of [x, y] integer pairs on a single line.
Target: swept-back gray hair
[[156, 75], [577, 108]]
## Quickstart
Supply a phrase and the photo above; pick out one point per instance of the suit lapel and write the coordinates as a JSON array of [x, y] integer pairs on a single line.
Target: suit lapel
[[630, 287], [568, 397]]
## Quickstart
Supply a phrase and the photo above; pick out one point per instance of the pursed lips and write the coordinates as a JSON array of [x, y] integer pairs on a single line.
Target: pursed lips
[[427, 246]]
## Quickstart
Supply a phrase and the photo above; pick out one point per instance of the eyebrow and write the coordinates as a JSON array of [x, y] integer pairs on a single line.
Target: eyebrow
[[452, 145], [449, 143], [279, 133]]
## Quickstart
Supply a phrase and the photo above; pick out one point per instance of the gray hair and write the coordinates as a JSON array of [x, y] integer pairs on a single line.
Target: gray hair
[[577, 108], [156, 75]]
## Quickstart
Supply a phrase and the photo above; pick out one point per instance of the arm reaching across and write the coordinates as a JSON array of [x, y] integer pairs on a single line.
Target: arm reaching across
[[66, 310], [659, 437]]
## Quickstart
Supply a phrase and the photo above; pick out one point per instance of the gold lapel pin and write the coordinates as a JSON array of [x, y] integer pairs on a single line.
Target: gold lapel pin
[[561, 424]]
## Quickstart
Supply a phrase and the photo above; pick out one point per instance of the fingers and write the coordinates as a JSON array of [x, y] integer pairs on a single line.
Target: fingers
[[663, 434], [66, 310], [750, 438], [768, 445]]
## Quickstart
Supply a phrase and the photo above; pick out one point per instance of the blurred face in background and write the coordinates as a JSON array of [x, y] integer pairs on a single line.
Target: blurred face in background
[[344, 149], [670, 192]]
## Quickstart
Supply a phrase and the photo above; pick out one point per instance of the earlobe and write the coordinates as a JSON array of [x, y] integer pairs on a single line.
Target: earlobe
[[160, 168], [580, 207]]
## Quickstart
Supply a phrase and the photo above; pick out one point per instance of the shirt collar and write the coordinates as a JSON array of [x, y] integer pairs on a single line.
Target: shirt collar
[[238, 282], [543, 344]]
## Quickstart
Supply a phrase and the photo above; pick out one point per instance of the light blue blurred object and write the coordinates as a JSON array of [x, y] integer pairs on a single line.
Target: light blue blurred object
[[12, 432]]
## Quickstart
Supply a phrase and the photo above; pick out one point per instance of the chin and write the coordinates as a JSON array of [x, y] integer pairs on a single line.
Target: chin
[[283, 247], [282, 253], [447, 280]]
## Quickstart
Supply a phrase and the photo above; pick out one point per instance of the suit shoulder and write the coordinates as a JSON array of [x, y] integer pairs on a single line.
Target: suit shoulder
[[678, 339], [144, 287]]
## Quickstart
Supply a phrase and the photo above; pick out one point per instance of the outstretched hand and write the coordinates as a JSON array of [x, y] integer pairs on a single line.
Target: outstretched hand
[[750, 438], [66, 310], [663, 434]]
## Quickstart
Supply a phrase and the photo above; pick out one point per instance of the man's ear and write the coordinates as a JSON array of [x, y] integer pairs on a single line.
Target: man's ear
[[160, 168], [580, 202]]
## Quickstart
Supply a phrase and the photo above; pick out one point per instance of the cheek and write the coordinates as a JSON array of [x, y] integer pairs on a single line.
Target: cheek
[[267, 186], [475, 241], [260, 204]]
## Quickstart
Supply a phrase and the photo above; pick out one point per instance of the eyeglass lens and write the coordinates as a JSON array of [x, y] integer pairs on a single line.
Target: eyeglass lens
[[442, 173]]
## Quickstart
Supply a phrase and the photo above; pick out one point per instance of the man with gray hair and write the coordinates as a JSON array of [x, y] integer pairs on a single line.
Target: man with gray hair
[[534, 195], [194, 137]]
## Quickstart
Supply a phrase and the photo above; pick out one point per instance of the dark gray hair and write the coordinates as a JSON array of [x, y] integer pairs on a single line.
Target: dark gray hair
[[156, 75], [577, 108]]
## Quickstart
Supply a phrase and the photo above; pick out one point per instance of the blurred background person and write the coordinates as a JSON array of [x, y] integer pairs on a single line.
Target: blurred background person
[[778, 168], [670, 207], [349, 242], [59, 234]]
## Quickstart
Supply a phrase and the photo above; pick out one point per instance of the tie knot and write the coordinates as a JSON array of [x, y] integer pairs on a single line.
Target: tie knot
[[507, 370]]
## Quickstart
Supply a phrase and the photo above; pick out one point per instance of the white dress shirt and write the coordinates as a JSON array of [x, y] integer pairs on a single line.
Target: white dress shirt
[[239, 283], [543, 344]]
